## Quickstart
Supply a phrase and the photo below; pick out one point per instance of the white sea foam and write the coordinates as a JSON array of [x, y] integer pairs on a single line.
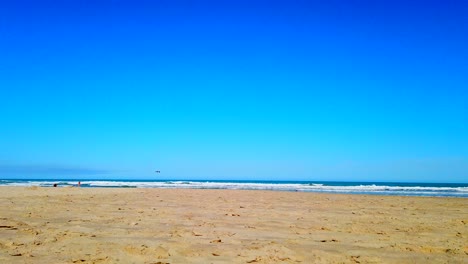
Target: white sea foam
[[460, 191]]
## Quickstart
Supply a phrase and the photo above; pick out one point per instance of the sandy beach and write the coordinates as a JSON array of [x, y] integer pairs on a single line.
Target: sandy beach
[[91, 225]]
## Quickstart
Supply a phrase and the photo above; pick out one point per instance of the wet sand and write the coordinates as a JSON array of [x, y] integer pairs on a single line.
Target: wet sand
[[87, 225]]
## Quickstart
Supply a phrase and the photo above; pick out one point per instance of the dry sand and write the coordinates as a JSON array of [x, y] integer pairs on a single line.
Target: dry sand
[[85, 225]]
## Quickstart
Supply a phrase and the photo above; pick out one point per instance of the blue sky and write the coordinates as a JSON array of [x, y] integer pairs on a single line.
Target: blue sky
[[279, 90]]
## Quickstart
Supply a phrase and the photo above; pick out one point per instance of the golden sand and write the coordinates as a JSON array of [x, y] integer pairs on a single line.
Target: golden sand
[[87, 225]]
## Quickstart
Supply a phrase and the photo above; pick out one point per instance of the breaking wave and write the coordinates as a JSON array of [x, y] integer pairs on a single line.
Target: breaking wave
[[405, 189]]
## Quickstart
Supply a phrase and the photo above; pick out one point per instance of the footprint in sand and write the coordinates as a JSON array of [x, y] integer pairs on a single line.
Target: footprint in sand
[[355, 259], [8, 227], [328, 240], [159, 251]]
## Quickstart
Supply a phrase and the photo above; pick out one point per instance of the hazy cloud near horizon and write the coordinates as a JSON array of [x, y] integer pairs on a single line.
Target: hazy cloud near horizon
[[49, 170], [400, 170]]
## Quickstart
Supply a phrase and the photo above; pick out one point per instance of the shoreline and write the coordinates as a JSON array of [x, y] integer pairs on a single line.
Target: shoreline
[[151, 225], [361, 188], [241, 190]]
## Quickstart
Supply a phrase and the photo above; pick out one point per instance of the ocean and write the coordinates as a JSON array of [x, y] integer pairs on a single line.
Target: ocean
[[373, 188]]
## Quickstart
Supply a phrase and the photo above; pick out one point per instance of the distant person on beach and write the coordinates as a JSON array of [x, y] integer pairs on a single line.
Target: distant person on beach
[[79, 184], [55, 185]]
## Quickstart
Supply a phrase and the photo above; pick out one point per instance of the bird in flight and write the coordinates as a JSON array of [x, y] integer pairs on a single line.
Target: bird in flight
[[158, 171]]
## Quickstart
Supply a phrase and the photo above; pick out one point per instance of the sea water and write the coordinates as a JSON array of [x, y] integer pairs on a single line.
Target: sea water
[[377, 188]]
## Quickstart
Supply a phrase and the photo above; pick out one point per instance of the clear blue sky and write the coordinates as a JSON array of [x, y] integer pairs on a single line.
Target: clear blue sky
[[280, 90]]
